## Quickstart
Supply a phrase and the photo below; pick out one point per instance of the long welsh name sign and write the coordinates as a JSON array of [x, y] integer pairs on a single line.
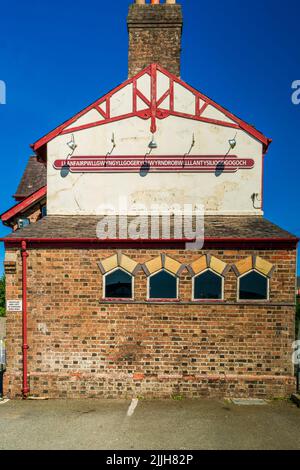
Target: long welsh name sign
[[160, 164]]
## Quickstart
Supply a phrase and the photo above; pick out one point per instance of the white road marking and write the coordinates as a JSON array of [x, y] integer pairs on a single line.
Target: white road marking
[[132, 407], [38, 398], [248, 402], [2, 402]]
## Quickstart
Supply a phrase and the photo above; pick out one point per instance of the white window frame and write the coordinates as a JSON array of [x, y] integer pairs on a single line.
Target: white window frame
[[104, 284], [208, 300], [162, 299], [253, 300]]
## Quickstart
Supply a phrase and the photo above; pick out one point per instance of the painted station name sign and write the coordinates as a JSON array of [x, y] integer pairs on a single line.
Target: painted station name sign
[[160, 164]]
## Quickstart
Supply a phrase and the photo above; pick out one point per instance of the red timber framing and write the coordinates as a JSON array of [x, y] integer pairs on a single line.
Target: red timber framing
[[24, 205], [154, 109]]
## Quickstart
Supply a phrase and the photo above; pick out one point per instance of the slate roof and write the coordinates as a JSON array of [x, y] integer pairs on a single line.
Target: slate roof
[[34, 178], [223, 227]]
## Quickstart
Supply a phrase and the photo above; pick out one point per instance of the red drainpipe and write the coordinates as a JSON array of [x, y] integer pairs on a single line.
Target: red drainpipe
[[25, 390]]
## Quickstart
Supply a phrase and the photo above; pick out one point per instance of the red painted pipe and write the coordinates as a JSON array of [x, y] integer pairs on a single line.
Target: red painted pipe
[[25, 390]]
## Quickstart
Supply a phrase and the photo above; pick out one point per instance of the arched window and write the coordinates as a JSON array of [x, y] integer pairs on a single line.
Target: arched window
[[208, 286], [163, 285], [118, 284], [253, 286]]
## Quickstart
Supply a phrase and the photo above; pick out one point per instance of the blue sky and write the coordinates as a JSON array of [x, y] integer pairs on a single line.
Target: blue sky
[[58, 56]]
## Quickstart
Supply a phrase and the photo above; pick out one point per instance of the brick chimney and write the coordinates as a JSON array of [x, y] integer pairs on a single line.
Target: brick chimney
[[155, 31]]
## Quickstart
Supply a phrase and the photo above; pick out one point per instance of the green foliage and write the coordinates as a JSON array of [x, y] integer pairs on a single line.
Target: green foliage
[[2, 296], [177, 397]]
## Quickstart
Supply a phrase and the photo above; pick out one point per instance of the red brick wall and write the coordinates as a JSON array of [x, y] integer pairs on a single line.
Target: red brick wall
[[81, 346]]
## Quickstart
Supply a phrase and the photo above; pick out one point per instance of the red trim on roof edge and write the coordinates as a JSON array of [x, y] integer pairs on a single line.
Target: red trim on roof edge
[[135, 243], [24, 204], [154, 112], [51, 135]]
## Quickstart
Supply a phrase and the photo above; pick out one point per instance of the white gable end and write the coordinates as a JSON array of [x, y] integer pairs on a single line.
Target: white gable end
[[184, 123]]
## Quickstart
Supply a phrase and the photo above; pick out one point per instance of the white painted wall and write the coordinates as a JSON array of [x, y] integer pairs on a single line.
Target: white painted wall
[[86, 193]]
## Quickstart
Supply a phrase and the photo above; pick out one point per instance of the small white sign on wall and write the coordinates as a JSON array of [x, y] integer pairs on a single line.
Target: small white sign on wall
[[14, 305]]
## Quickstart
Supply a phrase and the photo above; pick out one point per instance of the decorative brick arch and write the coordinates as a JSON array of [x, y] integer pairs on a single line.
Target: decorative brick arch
[[208, 262], [253, 263], [163, 262], [119, 261]]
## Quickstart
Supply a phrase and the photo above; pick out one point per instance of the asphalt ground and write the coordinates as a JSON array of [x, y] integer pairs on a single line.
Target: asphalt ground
[[148, 425]]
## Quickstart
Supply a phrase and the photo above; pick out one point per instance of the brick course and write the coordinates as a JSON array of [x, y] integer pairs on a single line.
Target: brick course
[[81, 345], [154, 37]]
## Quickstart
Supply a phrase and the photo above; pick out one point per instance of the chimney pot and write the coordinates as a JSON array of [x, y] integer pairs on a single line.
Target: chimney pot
[[155, 2]]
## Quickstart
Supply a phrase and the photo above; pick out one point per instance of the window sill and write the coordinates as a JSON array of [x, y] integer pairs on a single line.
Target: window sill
[[113, 299], [221, 303]]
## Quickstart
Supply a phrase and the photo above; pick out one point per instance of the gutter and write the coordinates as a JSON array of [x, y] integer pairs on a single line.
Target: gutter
[[147, 240]]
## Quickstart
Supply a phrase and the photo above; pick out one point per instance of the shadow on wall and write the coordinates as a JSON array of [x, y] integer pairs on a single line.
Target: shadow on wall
[[220, 169]]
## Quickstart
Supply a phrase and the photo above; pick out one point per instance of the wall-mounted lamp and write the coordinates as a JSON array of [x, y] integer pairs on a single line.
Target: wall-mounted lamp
[[190, 149], [153, 145], [72, 144], [232, 143], [113, 141], [193, 141]]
